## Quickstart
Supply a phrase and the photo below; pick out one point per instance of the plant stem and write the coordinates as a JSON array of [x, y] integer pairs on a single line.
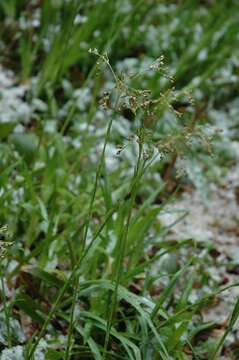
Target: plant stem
[[122, 247]]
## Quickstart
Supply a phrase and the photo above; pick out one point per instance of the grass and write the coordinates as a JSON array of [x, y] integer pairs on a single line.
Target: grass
[[92, 272]]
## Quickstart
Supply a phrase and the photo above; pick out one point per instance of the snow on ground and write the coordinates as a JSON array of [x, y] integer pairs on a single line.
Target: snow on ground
[[216, 220]]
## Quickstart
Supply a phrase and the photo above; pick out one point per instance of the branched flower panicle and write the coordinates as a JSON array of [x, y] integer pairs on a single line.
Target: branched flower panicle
[[132, 102], [4, 245]]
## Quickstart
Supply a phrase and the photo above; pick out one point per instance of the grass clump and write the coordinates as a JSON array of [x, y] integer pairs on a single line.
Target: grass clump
[[92, 272]]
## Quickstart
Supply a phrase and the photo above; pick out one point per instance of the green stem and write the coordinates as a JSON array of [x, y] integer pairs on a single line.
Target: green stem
[[76, 282], [67, 283], [122, 247], [6, 312]]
